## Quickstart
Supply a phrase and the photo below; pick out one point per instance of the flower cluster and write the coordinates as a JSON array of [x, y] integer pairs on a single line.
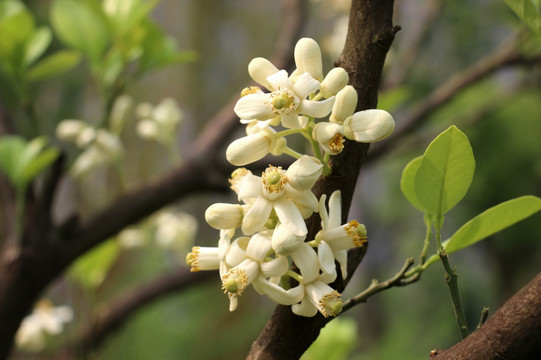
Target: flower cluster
[[270, 217]]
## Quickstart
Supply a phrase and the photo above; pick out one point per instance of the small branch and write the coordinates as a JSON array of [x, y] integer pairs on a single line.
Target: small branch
[[452, 282], [376, 286], [505, 56], [484, 316], [116, 314]]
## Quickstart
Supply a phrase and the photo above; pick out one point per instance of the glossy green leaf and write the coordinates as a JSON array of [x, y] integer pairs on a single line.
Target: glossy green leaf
[[82, 26], [493, 220], [527, 12], [37, 44], [54, 64], [446, 172], [407, 183], [90, 270]]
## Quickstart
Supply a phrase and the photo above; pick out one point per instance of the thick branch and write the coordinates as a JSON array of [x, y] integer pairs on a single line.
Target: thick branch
[[513, 332], [370, 34]]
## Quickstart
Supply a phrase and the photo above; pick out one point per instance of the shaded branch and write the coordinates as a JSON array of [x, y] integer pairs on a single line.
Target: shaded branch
[[513, 332], [507, 55]]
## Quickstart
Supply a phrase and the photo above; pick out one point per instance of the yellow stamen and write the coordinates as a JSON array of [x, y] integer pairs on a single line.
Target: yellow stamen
[[357, 232], [336, 143]]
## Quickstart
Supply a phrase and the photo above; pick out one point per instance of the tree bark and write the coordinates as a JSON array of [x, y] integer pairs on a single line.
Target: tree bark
[[513, 332], [370, 34]]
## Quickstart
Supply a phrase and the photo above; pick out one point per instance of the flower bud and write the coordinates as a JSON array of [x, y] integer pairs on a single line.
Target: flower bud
[[259, 69], [284, 242], [249, 149], [369, 126], [69, 130], [308, 58], [304, 172], [224, 216], [335, 81], [86, 136], [344, 105]]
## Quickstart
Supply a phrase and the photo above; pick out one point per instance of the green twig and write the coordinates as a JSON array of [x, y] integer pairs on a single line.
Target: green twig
[[376, 286], [484, 316]]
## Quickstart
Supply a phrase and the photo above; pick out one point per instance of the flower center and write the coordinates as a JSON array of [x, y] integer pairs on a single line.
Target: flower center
[[357, 232], [235, 281], [331, 304], [236, 177], [336, 143], [250, 90], [283, 101], [274, 179]]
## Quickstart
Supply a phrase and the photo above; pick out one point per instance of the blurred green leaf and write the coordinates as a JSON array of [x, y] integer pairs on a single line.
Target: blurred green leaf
[[527, 12], [16, 26], [335, 342], [90, 269], [124, 15], [391, 99], [54, 64], [81, 25], [36, 45], [491, 221], [446, 172], [407, 183], [11, 148]]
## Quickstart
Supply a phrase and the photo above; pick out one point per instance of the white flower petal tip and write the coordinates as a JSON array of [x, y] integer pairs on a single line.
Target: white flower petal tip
[[249, 149], [304, 172], [369, 126], [344, 105], [285, 243], [330, 136], [308, 58], [224, 216], [335, 81], [261, 68]]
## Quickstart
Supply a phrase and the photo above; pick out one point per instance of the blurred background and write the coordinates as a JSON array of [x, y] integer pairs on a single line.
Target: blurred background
[[499, 113]]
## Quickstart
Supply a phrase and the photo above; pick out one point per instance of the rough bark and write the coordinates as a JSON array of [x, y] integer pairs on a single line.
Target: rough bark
[[370, 34]]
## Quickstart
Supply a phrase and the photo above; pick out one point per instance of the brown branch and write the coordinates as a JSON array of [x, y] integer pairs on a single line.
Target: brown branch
[[116, 314], [513, 332], [370, 34], [507, 55]]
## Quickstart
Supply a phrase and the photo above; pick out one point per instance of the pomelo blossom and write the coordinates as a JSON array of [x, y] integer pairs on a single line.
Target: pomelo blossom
[[318, 296], [44, 320]]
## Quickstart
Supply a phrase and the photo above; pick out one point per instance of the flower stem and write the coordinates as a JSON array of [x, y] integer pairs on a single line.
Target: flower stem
[[289, 151], [296, 276]]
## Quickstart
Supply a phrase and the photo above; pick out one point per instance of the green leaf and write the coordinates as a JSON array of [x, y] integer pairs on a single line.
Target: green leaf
[[37, 44], [82, 26], [408, 181], [11, 147], [445, 173], [493, 220], [38, 164], [54, 64], [527, 12], [123, 15], [16, 26], [90, 270]]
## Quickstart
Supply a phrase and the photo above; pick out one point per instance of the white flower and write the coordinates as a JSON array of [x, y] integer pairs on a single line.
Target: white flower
[[260, 69], [69, 130], [334, 82], [269, 192], [224, 216], [285, 243], [175, 229], [235, 281], [44, 319], [369, 126], [159, 122], [304, 172], [330, 136], [318, 296], [335, 239], [250, 148], [287, 100], [344, 104], [308, 58], [223, 257]]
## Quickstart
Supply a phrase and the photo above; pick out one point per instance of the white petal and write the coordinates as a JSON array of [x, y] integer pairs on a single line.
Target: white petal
[[344, 105], [284, 242], [302, 198], [237, 251], [304, 172], [335, 81], [275, 267], [323, 212], [259, 69], [308, 57], [279, 79], [249, 149], [305, 258], [253, 106], [257, 216], [305, 85], [250, 187], [369, 125], [342, 257], [290, 216], [305, 308], [224, 216], [317, 109], [326, 258], [335, 209], [278, 294], [259, 246], [291, 121]]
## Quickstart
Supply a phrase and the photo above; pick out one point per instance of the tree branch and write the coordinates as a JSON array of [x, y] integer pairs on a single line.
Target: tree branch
[[513, 332]]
